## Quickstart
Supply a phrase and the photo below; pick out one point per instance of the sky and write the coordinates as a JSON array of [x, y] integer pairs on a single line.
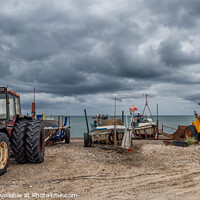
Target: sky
[[85, 53]]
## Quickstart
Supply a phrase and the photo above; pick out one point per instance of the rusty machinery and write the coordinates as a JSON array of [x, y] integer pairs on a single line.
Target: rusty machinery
[[23, 134]]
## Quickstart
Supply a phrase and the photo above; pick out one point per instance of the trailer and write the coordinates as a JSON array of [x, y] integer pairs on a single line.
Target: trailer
[[57, 128], [107, 133]]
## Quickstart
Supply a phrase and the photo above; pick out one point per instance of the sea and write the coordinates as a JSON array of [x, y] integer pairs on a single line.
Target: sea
[[78, 123]]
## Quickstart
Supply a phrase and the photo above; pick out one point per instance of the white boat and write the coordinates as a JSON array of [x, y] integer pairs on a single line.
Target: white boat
[[109, 127], [143, 127], [103, 130]]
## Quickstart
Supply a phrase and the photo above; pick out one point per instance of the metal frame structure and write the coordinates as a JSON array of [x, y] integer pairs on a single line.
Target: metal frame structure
[[117, 143], [57, 133]]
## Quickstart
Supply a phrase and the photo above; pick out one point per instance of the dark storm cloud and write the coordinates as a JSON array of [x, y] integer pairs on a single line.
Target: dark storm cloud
[[135, 66], [11, 25], [172, 54], [193, 97], [175, 13], [121, 65], [4, 69], [89, 47]]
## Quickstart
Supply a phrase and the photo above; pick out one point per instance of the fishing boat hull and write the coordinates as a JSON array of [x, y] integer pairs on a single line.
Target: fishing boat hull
[[105, 134], [147, 131]]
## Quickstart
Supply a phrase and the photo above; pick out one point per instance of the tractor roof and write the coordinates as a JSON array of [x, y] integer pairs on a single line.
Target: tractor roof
[[14, 93], [4, 89]]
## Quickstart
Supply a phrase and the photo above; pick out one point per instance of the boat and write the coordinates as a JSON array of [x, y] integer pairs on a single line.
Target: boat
[[145, 129], [102, 129], [142, 126]]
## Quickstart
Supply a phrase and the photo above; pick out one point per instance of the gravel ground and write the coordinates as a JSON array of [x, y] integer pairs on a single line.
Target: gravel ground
[[150, 171]]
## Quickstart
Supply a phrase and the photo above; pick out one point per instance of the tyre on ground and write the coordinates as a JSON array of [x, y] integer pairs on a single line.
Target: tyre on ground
[[191, 132], [67, 136], [35, 141], [4, 153], [18, 140], [87, 140], [111, 137]]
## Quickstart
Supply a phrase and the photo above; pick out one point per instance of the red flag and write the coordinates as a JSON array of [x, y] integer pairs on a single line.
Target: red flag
[[132, 109]]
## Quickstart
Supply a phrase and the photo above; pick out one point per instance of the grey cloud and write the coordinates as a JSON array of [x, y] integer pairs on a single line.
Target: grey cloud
[[70, 49], [121, 64], [135, 66], [193, 97], [174, 13], [11, 25], [172, 55], [4, 68]]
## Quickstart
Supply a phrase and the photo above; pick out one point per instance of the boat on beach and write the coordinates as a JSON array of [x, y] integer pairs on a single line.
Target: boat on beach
[[145, 129], [142, 126], [102, 129]]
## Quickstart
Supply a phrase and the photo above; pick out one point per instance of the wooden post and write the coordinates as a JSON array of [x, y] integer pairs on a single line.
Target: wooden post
[[69, 120], [127, 125], [122, 116], [157, 124], [154, 133], [58, 122], [86, 119], [115, 131], [62, 122]]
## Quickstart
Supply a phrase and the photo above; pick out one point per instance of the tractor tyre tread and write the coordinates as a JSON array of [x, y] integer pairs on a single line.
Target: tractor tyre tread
[[194, 133], [35, 142], [18, 140], [67, 136]]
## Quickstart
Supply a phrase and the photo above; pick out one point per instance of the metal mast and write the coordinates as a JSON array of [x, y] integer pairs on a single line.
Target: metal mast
[[147, 105]]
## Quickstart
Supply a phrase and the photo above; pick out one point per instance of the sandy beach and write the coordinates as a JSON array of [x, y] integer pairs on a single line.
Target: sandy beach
[[151, 171]]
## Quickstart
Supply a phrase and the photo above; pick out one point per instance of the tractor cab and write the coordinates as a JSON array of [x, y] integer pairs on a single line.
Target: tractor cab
[[10, 109], [9, 104]]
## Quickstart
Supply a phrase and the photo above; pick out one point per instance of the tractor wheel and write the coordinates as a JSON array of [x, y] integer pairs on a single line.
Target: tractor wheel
[[18, 141], [35, 141], [87, 140], [4, 153], [191, 132], [67, 136]]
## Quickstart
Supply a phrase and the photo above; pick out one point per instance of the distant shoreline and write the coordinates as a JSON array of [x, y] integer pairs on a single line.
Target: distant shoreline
[[128, 115]]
